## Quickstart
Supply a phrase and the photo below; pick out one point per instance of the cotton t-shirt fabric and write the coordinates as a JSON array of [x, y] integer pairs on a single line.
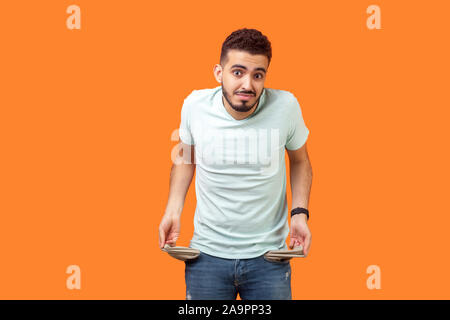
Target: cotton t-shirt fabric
[[240, 180]]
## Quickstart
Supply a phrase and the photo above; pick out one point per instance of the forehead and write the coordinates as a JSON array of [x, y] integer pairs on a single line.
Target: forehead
[[246, 59]]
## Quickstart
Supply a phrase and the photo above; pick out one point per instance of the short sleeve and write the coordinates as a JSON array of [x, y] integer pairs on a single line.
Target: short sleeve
[[185, 124], [298, 132]]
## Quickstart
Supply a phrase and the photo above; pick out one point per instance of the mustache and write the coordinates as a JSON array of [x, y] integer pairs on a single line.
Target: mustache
[[249, 93]]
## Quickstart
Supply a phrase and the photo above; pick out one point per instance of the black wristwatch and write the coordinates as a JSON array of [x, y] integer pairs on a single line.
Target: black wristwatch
[[300, 210]]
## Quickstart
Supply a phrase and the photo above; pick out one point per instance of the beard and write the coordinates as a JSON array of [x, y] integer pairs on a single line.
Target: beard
[[243, 106]]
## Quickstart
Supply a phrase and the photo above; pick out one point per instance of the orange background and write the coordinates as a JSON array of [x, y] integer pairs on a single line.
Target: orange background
[[86, 118]]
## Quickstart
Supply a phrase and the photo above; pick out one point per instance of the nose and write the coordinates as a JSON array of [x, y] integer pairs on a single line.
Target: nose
[[247, 85]]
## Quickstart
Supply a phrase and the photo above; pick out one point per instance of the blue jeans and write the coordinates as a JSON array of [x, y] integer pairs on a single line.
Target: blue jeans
[[213, 278]]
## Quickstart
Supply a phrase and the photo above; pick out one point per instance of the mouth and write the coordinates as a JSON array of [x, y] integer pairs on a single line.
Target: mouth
[[244, 96]]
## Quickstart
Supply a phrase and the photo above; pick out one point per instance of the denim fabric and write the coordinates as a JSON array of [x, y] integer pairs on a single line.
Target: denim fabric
[[213, 278]]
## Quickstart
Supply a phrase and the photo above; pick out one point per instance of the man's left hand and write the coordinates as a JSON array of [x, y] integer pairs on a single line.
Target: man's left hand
[[300, 234]]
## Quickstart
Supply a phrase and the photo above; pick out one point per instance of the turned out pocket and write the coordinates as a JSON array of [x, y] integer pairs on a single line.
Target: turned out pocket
[[277, 260], [182, 253]]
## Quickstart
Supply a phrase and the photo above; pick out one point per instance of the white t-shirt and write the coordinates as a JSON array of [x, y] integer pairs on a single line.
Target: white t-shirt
[[240, 178]]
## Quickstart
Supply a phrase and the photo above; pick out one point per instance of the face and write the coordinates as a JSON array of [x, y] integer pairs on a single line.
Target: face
[[242, 79]]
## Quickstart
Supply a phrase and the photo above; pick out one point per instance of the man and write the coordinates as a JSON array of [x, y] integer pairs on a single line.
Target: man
[[235, 136]]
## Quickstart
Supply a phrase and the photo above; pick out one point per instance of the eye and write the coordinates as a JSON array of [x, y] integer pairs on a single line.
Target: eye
[[234, 72], [259, 74]]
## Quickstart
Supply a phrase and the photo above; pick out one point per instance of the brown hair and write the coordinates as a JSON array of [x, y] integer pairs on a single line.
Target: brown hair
[[249, 40]]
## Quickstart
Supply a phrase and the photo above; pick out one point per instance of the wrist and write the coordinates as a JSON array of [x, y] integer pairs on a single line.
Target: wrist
[[300, 216], [174, 211], [300, 211]]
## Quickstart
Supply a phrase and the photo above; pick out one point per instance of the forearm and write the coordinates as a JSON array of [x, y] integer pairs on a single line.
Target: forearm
[[180, 179], [301, 180]]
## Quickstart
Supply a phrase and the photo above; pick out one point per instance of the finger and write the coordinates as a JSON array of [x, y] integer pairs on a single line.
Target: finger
[[307, 244], [291, 243], [298, 242], [162, 238], [171, 242], [294, 242]]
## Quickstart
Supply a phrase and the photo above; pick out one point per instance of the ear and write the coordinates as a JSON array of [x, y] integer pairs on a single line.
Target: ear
[[218, 72]]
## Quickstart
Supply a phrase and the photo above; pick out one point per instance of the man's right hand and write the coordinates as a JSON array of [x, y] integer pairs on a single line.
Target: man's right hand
[[169, 229]]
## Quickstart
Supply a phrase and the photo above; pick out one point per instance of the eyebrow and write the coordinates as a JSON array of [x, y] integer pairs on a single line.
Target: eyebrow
[[245, 68]]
